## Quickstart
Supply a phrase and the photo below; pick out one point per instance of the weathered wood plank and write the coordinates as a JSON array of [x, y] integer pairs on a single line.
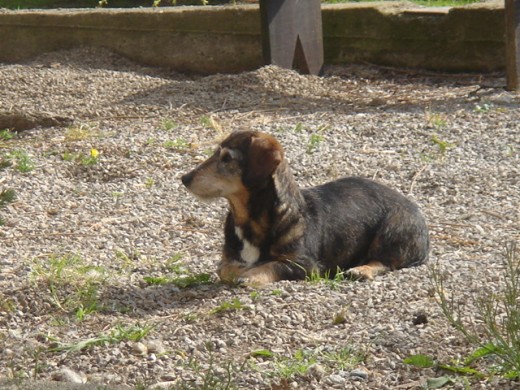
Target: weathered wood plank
[[512, 12], [292, 35]]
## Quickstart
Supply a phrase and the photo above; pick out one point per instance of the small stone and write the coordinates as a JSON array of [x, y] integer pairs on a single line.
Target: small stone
[[336, 379], [420, 319], [317, 371], [67, 375], [140, 349], [155, 346], [360, 372]]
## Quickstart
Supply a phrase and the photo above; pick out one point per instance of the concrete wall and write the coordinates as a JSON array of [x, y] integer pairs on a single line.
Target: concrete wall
[[227, 39]]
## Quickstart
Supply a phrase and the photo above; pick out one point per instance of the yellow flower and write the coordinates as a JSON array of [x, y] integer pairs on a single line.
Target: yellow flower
[[94, 153]]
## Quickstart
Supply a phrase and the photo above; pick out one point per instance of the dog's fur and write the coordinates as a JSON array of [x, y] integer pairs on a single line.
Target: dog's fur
[[275, 231]]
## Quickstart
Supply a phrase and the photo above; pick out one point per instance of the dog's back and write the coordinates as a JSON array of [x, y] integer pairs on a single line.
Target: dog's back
[[353, 221]]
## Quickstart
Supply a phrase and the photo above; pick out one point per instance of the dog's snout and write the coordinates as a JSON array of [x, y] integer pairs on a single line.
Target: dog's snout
[[187, 179]]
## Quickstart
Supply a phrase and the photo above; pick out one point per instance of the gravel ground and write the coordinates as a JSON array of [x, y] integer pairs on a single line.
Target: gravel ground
[[88, 245]]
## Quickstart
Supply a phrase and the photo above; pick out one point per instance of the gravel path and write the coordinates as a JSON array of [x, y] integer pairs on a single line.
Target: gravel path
[[91, 240]]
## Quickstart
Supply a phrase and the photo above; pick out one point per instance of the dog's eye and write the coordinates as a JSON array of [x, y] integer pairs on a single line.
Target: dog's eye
[[225, 156]]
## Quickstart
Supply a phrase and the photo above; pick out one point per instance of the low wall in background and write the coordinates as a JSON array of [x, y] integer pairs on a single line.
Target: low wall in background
[[227, 39]]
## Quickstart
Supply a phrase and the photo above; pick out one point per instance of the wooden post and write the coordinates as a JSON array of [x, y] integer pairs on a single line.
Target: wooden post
[[512, 12], [292, 35]]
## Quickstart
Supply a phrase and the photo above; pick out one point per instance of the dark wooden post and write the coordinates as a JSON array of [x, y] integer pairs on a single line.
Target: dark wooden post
[[512, 11], [292, 35]]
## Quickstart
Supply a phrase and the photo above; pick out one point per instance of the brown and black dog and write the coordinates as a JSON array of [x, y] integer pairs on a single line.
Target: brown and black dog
[[275, 231]]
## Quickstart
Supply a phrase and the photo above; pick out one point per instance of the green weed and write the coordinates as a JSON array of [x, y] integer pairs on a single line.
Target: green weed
[[178, 144], [313, 143], [213, 377], [7, 135], [149, 182], [499, 313], [296, 365], [299, 363], [334, 282], [79, 133], [22, 161], [117, 335], [73, 285], [169, 124], [85, 160], [229, 306], [442, 145], [7, 196], [179, 281]]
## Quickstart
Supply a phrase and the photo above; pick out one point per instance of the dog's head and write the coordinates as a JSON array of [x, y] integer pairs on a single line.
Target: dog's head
[[244, 161]]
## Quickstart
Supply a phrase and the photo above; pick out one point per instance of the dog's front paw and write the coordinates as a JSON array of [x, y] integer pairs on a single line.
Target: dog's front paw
[[367, 272], [360, 273], [259, 276]]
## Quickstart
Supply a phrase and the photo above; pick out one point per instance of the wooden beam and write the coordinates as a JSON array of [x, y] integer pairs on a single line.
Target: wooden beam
[[292, 35], [512, 12]]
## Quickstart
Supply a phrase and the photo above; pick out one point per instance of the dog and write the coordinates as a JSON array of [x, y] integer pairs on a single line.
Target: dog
[[275, 231]]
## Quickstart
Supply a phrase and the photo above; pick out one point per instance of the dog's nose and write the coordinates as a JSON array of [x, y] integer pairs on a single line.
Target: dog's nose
[[187, 179]]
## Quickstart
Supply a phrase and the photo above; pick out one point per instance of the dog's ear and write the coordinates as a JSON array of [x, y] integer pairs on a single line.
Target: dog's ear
[[265, 153]]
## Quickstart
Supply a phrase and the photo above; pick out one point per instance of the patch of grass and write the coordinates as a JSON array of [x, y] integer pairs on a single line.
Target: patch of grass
[[21, 159], [298, 363], [149, 182], [496, 332], [229, 306], [72, 284], [213, 377], [81, 132], [339, 318], [86, 160], [7, 135], [442, 145], [264, 353], [436, 120], [7, 196], [185, 281], [314, 142], [169, 124], [295, 365], [179, 144], [117, 335], [326, 278]]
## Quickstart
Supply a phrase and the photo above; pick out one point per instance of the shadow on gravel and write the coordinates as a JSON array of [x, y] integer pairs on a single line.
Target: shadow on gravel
[[134, 300], [352, 89]]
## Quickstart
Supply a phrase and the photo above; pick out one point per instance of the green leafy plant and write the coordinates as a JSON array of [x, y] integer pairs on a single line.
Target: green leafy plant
[[178, 144], [7, 196], [7, 135], [499, 313], [118, 334], [80, 132], [22, 161], [169, 124], [73, 285], [86, 160], [229, 306], [442, 145], [314, 141], [332, 281]]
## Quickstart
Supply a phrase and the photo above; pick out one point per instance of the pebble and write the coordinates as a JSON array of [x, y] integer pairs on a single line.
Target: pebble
[[70, 376]]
